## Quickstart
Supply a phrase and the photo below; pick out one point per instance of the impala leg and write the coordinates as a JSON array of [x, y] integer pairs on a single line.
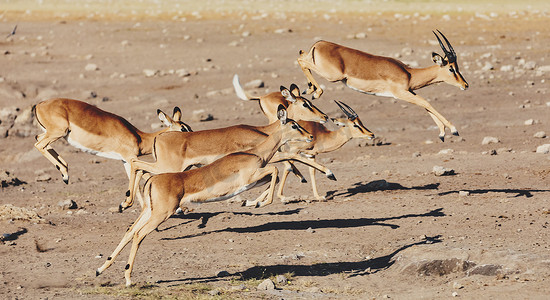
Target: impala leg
[[440, 125], [267, 194], [154, 221], [136, 168], [43, 145], [417, 100], [128, 168], [287, 169], [297, 172], [306, 66], [296, 157], [140, 221], [314, 185]]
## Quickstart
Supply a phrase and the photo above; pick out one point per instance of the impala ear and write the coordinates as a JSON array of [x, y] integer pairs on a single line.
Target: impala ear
[[281, 114], [177, 114], [286, 93], [438, 59], [164, 118], [295, 90]]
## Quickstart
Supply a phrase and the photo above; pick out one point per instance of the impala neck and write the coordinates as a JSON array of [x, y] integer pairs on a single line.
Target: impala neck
[[334, 139], [266, 149], [269, 129], [423, 77], [147, 139]]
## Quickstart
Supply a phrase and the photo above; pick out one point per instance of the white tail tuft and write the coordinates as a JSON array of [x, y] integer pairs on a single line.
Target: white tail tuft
[[239, 89]]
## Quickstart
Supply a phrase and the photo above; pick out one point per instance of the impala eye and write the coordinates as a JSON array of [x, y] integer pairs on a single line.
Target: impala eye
[[451, 69], [294, 126]]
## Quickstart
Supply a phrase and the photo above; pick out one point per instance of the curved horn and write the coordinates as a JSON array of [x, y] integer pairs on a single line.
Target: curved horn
[[450, 54], [348, 113], [354, 114]]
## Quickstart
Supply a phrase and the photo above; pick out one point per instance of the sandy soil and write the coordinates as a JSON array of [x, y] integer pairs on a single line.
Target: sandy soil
[[390, 227]]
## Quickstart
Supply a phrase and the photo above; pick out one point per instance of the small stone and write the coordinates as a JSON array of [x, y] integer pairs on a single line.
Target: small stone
[[454, 294], [463, 193], [457, 286], [266, 285], [490, 140], [543, 149], [416, 154], [150, 72], [281, 279], [529, 122], [310, 230], [201, 116], [442, 171], [540, 134], [446, 151], [254, 84], [213, 293], [43, 177], [67, 204], [91, 67]]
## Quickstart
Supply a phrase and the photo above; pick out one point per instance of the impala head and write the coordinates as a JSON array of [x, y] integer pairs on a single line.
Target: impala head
[[355, 127], [174, 123], [292, 131], [449, 72], [300, 108]]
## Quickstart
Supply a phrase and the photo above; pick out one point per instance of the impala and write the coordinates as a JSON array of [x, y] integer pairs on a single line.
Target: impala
[[382, 76], [96, 131], [222, 179], [176, 151], [324, 141], [298, 107]]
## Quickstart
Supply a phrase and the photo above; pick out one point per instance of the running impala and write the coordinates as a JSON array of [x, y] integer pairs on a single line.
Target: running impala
[[382, 76], [222, 179], [96, 131]]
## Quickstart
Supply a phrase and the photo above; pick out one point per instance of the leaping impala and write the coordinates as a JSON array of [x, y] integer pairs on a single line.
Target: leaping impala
[[382, 76], [324, 141], [175, 151], [222, 179], [96, 131]]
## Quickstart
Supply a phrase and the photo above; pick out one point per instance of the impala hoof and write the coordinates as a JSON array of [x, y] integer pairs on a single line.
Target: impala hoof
[[442, 138], [331, 176], [304, 180], [66, 180], [120, 208], [97, 273], [456, 133]]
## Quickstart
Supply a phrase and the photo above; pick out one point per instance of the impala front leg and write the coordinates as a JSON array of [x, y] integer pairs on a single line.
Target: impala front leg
[[43, 145]]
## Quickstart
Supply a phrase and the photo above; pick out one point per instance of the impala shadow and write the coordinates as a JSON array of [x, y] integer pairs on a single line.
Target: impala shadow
[[317, 224], [377, 185], [204, 217], [352, 268], [518, 192]]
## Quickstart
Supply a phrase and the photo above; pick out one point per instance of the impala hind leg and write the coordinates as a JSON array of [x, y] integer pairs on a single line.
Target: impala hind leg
[[43, 145], [136, 172], [306, 64], [261, 174]]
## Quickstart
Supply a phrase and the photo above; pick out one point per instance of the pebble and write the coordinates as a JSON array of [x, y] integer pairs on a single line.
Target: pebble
[[201, 116], [266, 285], [442, 171], [281, 279], [540, 134], [43, 177], [310, 230], [91, 67], [489, 140], [67, 204], [463, 193], [543, 149], [457, 286]]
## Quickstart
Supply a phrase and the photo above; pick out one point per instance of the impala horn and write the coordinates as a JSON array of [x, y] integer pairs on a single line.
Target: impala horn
[[449, 54], [350, 113]]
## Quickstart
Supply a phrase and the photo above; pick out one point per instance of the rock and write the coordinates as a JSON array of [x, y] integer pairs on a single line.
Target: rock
[[24, 117], [487, 67], [543, 149], [416, 154], [91, 67], [150, 72], [489, 140], [463, 193], [540, 134], [530, 122], [442, 171], [486, 270], [457, 286], [7, 179], [201, 116], [281, 279], [43, 177], [310, 230], [67, 204], [214, 293], [439, 267], [446, 151], [266, 285]]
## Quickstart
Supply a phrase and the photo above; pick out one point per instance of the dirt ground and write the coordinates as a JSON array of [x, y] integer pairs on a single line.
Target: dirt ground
[[390, 228]]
